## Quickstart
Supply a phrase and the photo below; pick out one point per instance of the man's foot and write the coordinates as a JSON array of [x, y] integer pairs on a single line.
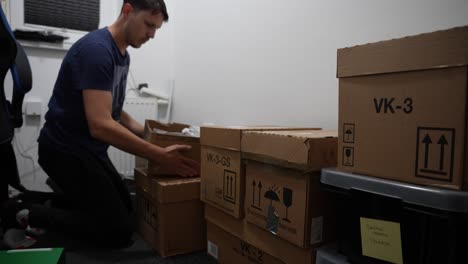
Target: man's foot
[[15, 216], [17, 239], [34, 231], [22, 217]]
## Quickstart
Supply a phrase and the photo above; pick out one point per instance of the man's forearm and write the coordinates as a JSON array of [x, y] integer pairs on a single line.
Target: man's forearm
[[122, 138], [131, 124]]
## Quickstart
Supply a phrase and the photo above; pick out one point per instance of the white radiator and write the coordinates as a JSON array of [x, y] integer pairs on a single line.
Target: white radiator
[[140, 109]]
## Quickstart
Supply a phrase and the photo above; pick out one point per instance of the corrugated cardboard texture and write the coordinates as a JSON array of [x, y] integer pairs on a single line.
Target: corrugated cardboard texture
[[284, 202], [274, 246], [171, 127], [446, 48], [164, 135], [222, 180], [408, 123], [142, 180], [165, 228], [168, 190], [182, 227], [229, 137], [221, 137], [307, 149], [409, 127], [221, 170], [229, 249], [176, 190]]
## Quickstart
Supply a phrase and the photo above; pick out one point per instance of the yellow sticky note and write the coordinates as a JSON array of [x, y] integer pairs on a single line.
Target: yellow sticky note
[[381, 240]]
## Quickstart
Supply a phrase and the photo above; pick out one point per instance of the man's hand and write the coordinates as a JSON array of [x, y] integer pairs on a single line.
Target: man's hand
[[175, 162]]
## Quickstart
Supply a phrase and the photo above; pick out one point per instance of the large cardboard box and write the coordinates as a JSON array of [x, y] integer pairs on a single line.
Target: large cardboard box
[[165, 135], [229, 249], [288, 203], [301, 149], [403, 109], [275, 247], [286, 200], [163, 214], [222, 173]]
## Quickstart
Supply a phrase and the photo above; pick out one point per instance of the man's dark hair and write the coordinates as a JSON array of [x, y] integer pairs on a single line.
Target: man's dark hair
[[157, 6]]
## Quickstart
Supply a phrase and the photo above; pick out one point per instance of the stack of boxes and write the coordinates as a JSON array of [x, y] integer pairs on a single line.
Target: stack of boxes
[[169, 212], [402, 152], [260, 186], [400, 180]]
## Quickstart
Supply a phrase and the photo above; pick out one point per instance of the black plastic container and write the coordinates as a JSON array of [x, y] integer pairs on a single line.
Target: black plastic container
[[433, 221], [328, 254]]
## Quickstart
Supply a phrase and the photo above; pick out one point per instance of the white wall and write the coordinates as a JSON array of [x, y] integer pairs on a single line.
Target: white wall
[[44, 66], [253, 62], [153, 63], [273, 61]]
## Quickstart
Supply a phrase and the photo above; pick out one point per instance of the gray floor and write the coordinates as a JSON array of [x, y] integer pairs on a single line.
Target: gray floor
[[138, 253]]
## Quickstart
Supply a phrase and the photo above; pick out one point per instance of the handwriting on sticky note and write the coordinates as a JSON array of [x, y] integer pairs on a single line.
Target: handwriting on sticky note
[[381, 240]]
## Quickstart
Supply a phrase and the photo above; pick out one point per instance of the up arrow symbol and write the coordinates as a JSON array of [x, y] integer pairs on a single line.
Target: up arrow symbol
[[427, 140], [442, 142], [253, 192]]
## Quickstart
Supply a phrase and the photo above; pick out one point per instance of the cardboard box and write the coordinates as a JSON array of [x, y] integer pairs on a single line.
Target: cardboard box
[[260, 239], [222, 173], [229, 249], [165, 135], [403, 109], [142, 180], [141, 163], [289, 204], [163, 214], [300, 149], [286, 198]]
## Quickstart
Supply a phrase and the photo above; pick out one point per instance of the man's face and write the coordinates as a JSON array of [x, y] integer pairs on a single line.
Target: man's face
[[141, 26]]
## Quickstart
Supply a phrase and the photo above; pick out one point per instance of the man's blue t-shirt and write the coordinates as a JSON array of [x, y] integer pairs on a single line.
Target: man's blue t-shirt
[[93, 62]]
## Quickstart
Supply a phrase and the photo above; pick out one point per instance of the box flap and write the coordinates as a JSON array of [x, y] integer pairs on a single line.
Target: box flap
[[164, 135], [166, 131], [440, 49], [311, 149], [174, 190], [229, 137], [170, 127], [221, 137], [178, 138]]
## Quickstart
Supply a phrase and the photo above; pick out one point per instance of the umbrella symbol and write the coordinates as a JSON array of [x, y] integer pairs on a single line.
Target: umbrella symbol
[[348, 133], [270, 194]]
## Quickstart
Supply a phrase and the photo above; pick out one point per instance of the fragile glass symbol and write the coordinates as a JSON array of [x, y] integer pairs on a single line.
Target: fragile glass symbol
[[348, 154], [287, 201]]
